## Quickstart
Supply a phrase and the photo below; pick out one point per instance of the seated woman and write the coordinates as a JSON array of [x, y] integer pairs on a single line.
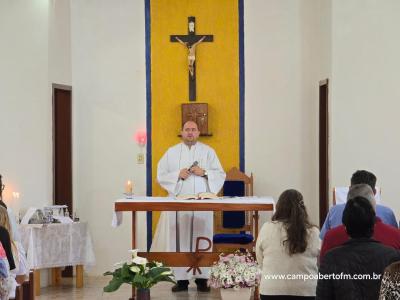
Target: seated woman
[[7, 282], [288, 246], [20, 269]]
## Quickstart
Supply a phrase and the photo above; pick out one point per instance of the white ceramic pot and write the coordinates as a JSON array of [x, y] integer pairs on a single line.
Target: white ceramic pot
[[231, 294]]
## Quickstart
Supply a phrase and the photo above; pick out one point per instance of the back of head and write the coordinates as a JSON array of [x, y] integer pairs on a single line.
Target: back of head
[[362, 190], [359, 218], [365, 177], [390, 282], [291, 211]]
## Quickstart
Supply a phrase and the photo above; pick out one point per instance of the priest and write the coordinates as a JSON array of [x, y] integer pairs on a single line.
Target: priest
[[189, 167]]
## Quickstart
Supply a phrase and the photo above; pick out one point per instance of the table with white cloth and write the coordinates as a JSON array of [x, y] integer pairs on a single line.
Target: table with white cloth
[[57, 245], [184, 259]]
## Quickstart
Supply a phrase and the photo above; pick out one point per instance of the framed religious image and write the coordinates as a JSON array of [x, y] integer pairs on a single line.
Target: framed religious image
[[197, 112]]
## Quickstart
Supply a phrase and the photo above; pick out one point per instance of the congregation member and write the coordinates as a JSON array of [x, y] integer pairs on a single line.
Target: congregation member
[[187, 168], [354, 270], [334, 217], [390, 285], [6, 281], [288, 245], [15, 232], [5, 241], [21, 265], [383, 233]]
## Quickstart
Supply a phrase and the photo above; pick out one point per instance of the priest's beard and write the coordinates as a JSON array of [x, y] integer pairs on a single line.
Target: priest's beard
[[189, 143]]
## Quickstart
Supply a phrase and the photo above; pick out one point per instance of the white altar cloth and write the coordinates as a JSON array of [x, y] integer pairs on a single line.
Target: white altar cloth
[[57, 245]]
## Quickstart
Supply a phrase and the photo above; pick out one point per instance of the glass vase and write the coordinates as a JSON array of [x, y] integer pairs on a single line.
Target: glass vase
[[143, 294]]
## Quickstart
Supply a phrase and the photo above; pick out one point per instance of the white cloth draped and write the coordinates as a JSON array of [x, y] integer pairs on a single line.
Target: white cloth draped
[[176, 158], [57, 245]]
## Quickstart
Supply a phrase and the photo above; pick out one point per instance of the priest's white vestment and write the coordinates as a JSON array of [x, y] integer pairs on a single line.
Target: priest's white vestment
[[175, 159]]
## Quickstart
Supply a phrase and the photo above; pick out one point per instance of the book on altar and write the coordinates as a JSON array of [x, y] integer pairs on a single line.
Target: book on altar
[[199, 196]]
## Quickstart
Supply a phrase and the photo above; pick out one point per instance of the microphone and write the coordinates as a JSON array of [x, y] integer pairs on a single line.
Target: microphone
[[195, 163]]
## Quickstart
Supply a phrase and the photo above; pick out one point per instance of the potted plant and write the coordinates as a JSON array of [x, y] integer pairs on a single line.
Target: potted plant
[[139, 273], [235, 275]]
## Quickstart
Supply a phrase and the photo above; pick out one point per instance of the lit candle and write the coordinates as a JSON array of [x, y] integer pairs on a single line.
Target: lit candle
[[128, 187]]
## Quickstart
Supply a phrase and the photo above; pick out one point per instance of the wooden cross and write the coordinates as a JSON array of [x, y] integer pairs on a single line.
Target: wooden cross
[[191, 40]]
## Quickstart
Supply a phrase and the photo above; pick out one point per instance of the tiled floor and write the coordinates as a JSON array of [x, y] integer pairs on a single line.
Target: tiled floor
[[93, 290]]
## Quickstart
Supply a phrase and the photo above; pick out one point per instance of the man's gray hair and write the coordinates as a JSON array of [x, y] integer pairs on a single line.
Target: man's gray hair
[[361, 190]]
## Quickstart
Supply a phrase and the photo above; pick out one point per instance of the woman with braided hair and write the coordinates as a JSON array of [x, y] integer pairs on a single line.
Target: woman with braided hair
[[287, 249]]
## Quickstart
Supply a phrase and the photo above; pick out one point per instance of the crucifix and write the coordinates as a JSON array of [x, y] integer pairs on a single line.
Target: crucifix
[[191, 41]]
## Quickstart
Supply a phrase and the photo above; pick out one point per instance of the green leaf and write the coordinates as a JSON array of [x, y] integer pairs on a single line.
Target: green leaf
[[108, 273], [139, 281], [126, 272], [166, 278], [113, 285], [158, 271]]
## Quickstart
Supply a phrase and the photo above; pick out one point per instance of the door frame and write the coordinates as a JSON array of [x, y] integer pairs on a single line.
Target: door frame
[[323, 153]]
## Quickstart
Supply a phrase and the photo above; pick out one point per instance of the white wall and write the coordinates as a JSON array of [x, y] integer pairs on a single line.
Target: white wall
[[281, 65], [109, 105], [59, 42], [365, 93], [25, 103]]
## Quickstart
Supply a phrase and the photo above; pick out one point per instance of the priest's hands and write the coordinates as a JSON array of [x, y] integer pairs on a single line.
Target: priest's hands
[[184, 173], [196, 170]]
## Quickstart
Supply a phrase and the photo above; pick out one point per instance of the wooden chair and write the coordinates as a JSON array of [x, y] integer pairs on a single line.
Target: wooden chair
[[18, 293], [25, 291], [29, 287], [235, 230]]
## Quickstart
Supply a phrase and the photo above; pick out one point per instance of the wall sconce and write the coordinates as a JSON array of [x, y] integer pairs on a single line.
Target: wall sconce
[[141, 140]]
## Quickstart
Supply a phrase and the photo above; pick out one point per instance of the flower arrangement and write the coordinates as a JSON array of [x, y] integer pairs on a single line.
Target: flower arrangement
[[138, 272], [238, 270]]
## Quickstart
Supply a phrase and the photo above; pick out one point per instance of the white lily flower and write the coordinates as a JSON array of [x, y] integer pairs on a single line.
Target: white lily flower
[[135, 269], [139, 260], [134, 252]]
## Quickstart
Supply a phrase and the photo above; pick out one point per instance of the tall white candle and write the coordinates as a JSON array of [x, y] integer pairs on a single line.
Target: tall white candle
[[128, 187]]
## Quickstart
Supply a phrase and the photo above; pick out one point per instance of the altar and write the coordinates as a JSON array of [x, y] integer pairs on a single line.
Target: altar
[[184, 259]]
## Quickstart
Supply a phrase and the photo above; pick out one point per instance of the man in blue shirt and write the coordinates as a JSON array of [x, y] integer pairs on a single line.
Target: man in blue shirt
[[334, 217]]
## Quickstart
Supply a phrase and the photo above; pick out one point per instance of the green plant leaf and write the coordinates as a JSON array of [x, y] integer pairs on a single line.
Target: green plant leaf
[[154, 272], [139, 281], [126, 272], [164, 278], [113, 285], [108, 273]]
